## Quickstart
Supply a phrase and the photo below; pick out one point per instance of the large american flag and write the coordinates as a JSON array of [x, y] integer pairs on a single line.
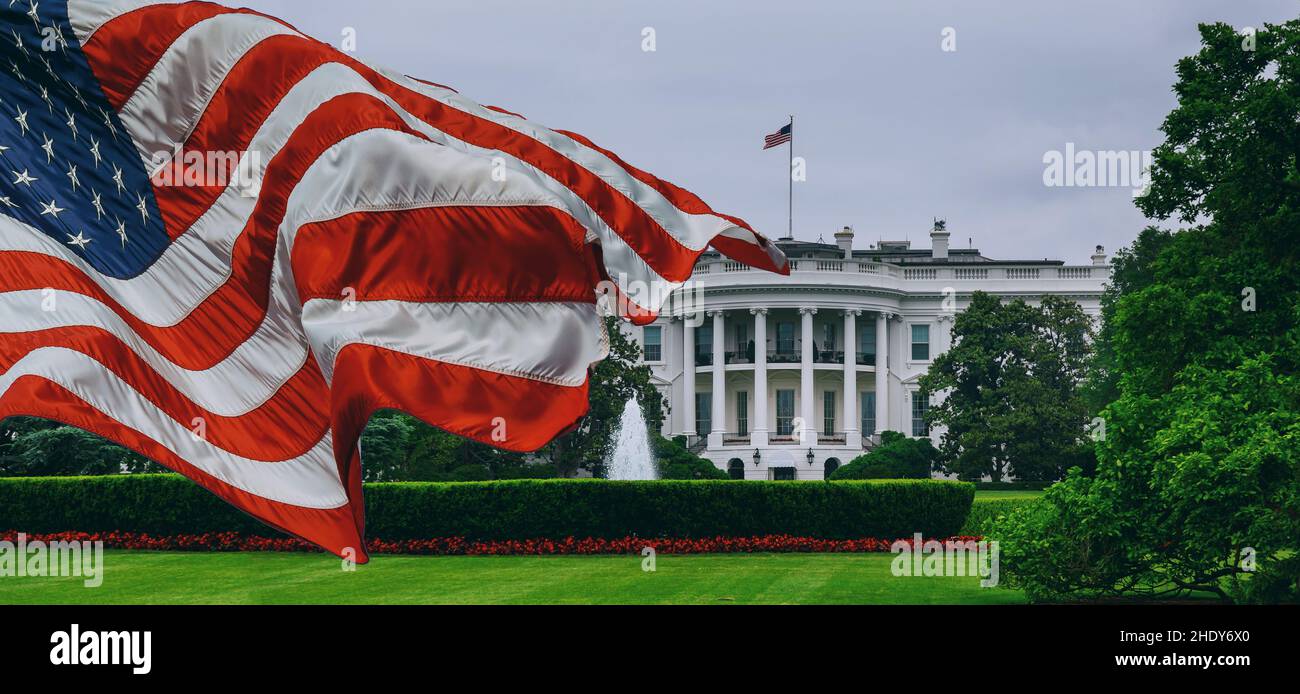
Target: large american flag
[[392, 245]]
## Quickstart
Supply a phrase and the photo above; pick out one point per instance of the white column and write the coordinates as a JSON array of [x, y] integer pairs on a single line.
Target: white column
[[719, 417], [688, 376], [809, 435], [882, 372], [758, 427], [852, 436]]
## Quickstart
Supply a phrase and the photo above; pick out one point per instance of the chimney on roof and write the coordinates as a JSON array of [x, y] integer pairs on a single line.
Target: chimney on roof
[[939, 240], [844, 239], [1099, 257]]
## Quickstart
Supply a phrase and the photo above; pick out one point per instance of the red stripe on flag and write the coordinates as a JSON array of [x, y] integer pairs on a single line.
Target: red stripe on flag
[[459, 253], [517, 414]]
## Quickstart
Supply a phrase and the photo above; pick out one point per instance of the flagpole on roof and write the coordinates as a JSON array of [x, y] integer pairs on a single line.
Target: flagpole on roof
[[790, 174]]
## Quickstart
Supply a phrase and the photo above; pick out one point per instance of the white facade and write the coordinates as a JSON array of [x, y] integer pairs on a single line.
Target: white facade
[[816, 405]]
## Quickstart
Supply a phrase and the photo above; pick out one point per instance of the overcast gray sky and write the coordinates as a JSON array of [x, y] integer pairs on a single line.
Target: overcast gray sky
[[895, 130]]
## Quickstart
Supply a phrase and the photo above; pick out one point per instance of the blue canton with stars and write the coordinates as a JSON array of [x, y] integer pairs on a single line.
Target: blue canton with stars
[[68, 168]]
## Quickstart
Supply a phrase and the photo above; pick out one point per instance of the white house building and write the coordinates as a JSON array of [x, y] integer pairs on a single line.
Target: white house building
[[773, 377]]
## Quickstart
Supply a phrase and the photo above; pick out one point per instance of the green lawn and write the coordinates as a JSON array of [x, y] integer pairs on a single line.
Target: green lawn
[[291, 578], [1007, 494]]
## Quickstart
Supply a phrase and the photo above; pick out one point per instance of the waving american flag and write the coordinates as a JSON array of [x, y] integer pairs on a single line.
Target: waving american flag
[[225, 244]]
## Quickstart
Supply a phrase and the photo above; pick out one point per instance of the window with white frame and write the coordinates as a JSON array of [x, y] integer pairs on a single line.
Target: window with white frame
[[868, 414], [653, 339], [866, 344], [920, 342], [920, 405], [828, 412], [742, 413], [703, 413], [784, 412]]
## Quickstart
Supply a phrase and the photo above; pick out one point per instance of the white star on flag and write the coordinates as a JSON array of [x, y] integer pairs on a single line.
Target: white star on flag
[[51, 209], [80, 240], [108, 121]]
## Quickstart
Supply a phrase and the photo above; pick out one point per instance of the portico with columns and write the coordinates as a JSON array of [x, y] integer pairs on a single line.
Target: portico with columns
[[789, 377]]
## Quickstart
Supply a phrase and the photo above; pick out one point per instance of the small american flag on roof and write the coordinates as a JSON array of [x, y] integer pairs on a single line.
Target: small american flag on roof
[[779, 137], [242, 335]]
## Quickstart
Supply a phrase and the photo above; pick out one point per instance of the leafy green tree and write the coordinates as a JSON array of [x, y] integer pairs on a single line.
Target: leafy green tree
[[1009, 385], [398, 447], [1198, 474], [386, 446], [897, 457], [1131, 270], [37, 447], [613, 382]]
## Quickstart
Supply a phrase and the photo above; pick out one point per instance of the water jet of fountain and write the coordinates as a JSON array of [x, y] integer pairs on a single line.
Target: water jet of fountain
[[631, 457]]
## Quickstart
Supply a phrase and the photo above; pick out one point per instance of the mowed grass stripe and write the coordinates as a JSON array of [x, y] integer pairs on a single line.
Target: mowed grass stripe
[[137, 577]]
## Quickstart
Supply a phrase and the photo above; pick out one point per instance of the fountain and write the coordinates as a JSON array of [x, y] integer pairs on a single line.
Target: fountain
[[631, 457]]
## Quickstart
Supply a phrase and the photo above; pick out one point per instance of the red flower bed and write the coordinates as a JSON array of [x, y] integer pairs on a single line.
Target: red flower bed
[[235, 542]]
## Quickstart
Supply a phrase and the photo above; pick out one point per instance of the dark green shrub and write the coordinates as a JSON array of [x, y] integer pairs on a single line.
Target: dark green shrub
[[515, 509], [470, 473], [677, 463], [897, 457], [985, 512]]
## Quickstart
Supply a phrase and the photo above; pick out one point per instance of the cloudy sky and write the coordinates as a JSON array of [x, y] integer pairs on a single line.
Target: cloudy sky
[[894, 129]]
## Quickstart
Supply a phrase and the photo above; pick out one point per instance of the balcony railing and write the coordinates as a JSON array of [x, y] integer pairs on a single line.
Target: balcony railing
[[784, 356], [881, 269], [741, 356], [836, 438], [828, 356]]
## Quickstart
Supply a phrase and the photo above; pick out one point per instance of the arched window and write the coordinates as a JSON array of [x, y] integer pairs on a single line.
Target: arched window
[[832, 464], [736, 467]]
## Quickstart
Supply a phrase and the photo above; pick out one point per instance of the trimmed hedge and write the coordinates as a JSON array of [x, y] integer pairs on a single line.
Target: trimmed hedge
[[515, 509]]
